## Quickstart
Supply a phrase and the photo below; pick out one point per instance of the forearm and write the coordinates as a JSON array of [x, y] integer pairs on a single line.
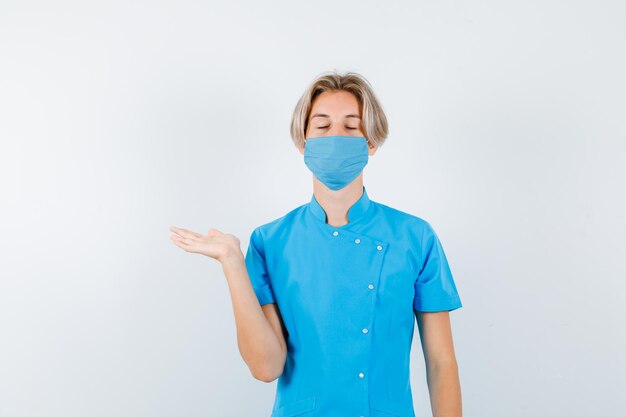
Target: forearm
[[444, 389], [258, 344]]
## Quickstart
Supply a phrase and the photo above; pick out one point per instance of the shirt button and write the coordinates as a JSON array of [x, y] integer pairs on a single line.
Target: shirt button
[[361, 375], [357, 240], [335, 233], [371, 287], [365, 331], [379, 247]]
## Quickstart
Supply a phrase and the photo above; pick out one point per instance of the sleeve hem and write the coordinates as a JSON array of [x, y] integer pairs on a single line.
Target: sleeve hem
[[264, 295], [438, 304]]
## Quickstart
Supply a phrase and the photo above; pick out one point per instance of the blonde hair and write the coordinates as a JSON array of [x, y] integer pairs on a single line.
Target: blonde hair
[[373, 119]]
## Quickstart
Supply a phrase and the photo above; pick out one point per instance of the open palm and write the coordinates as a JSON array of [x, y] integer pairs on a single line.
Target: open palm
[[215, 244]]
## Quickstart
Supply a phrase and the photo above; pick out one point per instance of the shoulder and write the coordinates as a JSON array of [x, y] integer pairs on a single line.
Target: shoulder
[[404, 221], [412, 230], [280, 225]]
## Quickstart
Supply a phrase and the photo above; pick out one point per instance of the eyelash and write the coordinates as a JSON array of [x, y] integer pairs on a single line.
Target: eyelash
[[350, 128]]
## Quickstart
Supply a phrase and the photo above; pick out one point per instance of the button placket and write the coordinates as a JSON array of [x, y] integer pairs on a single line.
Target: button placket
[[374, 252], [378, 257], [364, 330]]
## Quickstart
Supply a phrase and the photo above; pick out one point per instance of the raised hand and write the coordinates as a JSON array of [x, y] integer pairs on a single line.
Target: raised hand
[[217, 245]]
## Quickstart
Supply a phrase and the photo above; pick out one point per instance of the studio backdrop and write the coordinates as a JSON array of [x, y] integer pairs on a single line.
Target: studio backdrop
[[119, 119]]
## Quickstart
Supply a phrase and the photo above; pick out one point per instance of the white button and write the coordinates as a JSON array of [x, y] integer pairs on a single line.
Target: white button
[[379, 247], [335, 233], [371, 287], [357, 240], [361, 375], [365, 331]]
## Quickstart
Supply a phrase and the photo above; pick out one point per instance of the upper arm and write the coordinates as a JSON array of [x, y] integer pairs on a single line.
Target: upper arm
[[272, 313], [258, 270], [435, 296], [436, 337], [435, 289], [259, 274]]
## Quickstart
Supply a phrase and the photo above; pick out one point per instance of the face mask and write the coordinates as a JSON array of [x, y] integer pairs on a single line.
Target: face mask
[[336, 160]]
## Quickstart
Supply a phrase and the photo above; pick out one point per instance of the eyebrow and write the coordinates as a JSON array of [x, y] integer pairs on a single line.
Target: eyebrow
[[325, 115]]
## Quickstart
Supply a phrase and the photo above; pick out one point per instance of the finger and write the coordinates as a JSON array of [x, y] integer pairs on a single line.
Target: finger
[[184, 244], [185, 232], [214, 232]]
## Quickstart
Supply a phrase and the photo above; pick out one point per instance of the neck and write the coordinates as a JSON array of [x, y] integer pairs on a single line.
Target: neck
[[337, 203]]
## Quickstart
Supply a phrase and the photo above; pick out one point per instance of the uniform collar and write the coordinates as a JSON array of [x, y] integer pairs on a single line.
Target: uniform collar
[[358, 209]]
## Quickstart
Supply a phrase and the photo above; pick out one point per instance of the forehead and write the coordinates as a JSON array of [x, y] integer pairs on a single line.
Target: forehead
[[335, 103]]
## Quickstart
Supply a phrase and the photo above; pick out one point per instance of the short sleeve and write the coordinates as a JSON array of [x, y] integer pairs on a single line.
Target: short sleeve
[[434, 286], [257, 269]]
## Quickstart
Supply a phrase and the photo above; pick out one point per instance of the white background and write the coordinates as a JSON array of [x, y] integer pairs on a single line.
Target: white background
[[120, 119]]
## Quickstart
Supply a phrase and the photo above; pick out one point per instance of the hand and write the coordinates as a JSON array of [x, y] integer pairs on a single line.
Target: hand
[[217, 245]]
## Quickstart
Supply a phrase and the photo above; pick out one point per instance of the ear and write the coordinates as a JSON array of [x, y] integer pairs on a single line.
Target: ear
[[372, 149]]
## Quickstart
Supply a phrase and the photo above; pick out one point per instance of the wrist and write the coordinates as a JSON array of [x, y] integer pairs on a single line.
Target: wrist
[[233, 259]]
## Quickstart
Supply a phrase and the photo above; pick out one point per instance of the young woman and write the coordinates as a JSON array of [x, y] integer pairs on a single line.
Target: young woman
[[327, 295]]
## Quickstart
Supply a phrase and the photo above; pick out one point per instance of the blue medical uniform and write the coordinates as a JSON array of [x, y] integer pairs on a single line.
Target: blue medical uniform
[[347, 297]]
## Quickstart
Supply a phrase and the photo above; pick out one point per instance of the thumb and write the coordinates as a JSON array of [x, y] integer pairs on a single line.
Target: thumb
[[214, 232]]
